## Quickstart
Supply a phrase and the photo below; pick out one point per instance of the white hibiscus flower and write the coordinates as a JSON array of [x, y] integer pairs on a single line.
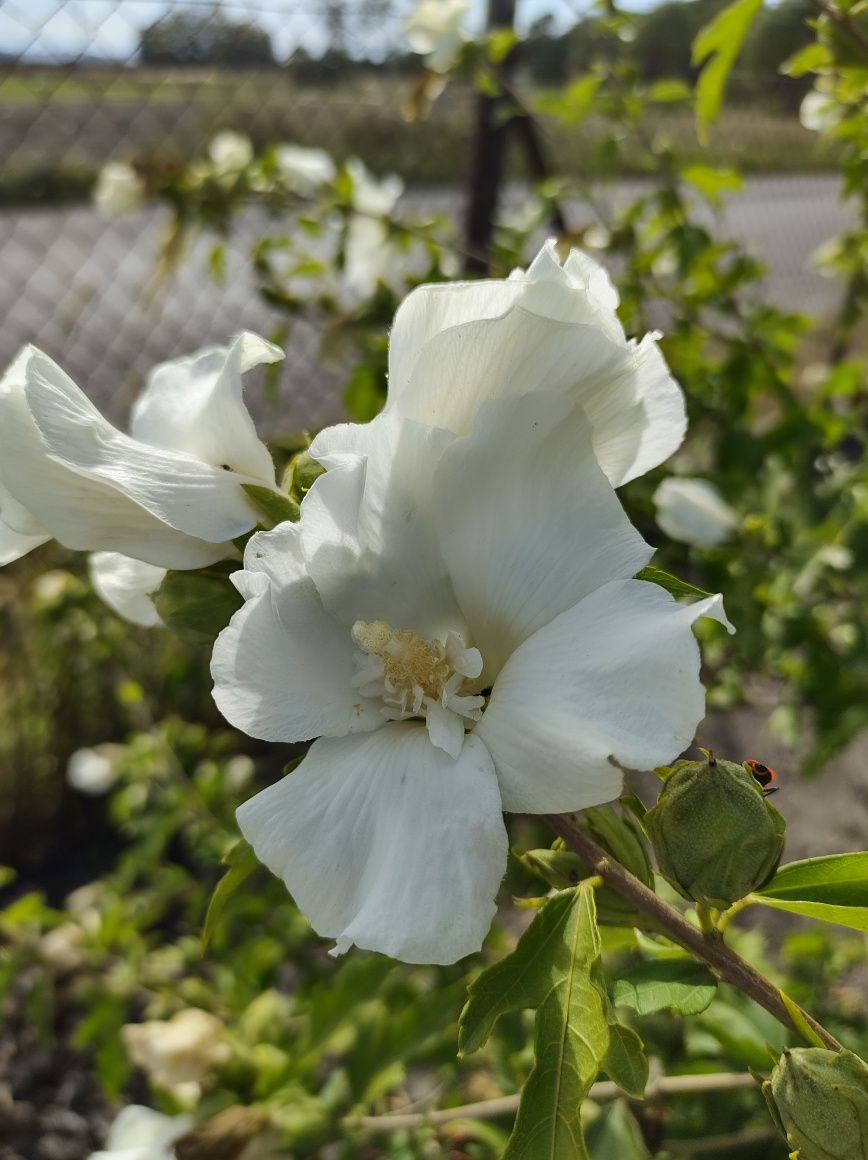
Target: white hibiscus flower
[[455, 619], [140, 1133], [118, 189], [304, 170], [435, 30], [693, 511], [168, 495], [551, 328]]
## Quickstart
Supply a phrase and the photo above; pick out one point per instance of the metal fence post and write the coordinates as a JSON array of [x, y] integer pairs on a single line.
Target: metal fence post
[[489, 146]]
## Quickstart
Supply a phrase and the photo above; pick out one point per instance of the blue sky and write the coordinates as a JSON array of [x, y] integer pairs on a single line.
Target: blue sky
[[64, 29]]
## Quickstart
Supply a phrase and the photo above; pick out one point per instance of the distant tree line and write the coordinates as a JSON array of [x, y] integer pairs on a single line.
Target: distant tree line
[[661, 47]]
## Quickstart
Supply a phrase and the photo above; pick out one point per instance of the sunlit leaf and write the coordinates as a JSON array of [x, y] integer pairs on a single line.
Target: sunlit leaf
[[678, 984], [716, 47]]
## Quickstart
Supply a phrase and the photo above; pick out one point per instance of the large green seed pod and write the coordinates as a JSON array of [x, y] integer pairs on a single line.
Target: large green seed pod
[[819, 1102], [715, 836]]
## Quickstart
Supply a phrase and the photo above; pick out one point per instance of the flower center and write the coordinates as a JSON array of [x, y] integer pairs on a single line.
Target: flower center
[[415, 677]]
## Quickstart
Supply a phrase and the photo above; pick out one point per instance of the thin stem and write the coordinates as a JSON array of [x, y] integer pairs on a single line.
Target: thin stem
[[706, 920], [726, 964], [843, 20], [736, 908], [506, 1105]]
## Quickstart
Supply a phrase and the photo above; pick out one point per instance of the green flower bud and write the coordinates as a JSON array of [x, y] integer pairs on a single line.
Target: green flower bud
[[715, 835], [818, 1100]]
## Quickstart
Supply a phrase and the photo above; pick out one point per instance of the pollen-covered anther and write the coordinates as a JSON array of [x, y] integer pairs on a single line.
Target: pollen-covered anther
[[416, 677]]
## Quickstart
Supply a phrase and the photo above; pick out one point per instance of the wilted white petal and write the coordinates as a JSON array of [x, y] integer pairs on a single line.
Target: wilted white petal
[[693, 511], [195, 405], [387, 843], [126, 585], [283, 667], [521, 546], [616, 677], [177, 1051]]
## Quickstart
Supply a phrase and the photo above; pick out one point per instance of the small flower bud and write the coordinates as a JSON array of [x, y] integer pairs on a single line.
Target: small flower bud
[[715, 836], [818, 1100]]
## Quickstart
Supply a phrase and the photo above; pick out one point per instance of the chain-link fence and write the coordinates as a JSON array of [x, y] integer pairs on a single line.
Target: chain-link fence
[[82, 81]]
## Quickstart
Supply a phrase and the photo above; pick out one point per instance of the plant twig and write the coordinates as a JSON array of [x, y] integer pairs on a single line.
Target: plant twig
[[844, 21], [710, 948], [506, 1105]]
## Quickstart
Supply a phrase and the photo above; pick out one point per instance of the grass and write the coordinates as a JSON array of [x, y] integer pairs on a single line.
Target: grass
[[99, 114]]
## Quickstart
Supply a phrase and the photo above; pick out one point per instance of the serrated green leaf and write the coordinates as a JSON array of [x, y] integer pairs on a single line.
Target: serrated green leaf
[[552, 969], [625, 1062], [240, 861], [671, 583], [717, 46], [197, 606], [677, 984], [615, 1135], [273, 505]]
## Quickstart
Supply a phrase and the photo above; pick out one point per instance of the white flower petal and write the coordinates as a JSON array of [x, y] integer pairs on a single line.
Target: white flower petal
[[694, 512], [126, 586], [527, 522], [191, 496], [551, 328], [615, 677], [387, 843], [81, 512], [14, 545], [195, 405], [368, 526], [283, 667], [138, 1127]]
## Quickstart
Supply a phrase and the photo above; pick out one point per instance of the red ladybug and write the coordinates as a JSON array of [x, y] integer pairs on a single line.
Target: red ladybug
[[764, 775]]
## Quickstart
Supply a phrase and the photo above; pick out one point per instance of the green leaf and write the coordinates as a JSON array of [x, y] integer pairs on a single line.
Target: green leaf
[[718, 44], [669, 91], [811, 58], [615, 1135], [273, 505], [833, 888], [671, 583], [854, 917], [241, 862], [712, 181], [678, 984], [196, 606], [625, 1062], [552, 969], [619, 835], [800, 1022], [836, 879]]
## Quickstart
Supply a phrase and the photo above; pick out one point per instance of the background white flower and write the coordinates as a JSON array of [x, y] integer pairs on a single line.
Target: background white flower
[[304, 170], [370, 254], [435, 30], [230, 152], [178, 1053], [140, 1133], [92, 771], [551, 328], [118, 189], [169, 494], [436, 584], [693, 511]]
